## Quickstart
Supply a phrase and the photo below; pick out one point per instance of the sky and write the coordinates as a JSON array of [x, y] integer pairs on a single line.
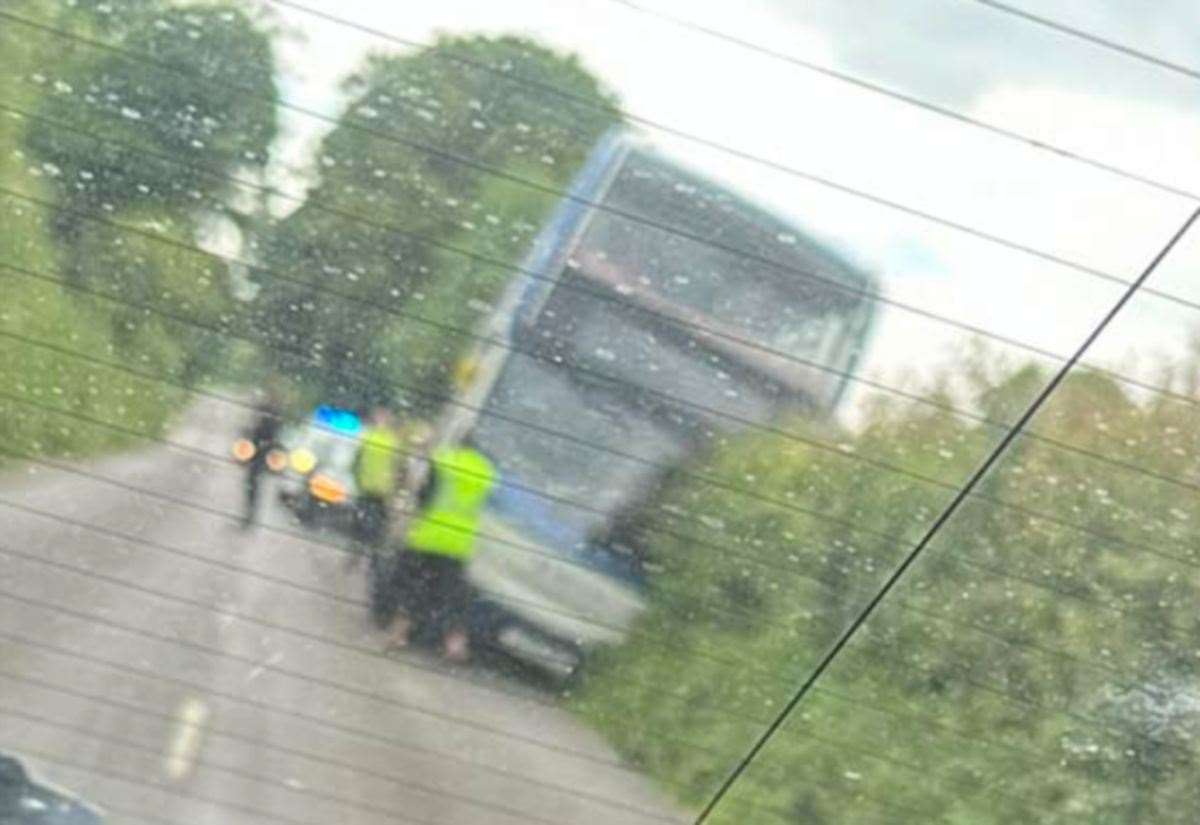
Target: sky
[[957, 54]]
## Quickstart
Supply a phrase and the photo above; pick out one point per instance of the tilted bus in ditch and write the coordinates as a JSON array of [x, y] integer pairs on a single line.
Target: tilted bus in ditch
[[656, 311]]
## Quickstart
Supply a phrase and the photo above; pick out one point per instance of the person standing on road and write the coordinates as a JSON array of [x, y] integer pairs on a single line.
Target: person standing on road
[[430, 575], [376, 472], [263, 436]]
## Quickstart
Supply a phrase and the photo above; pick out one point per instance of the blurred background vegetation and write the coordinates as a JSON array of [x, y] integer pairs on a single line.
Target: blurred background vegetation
[[102, 204], [110, 176], [124, 144], [1039, 662], [432, 188]]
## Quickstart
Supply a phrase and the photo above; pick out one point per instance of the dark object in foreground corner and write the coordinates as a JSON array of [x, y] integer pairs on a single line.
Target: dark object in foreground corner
[[25, 802]]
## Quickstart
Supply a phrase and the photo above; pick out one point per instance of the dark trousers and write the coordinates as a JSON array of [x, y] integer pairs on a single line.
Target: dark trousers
[[432, 591], [371, 514], [253, 472]]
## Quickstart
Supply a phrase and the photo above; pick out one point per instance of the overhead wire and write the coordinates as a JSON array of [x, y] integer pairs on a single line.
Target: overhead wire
[[1096, 40], [894, 579], [933, 403], [237, 736], [888, 539], [881, 90], [833, 449], [359, 125], [807, 65], [572, 285], [477, 765], [826, 743], [999, 692], [904, 606]]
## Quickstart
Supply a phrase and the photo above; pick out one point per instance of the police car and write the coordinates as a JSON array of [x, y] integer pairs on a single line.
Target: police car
[[317, 478]]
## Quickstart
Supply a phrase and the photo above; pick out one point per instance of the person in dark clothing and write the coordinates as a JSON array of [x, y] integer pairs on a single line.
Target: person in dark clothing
[[263, 437], [429, 589]]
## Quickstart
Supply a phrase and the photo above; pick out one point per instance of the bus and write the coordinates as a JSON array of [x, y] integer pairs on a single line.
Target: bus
[[656, 312]]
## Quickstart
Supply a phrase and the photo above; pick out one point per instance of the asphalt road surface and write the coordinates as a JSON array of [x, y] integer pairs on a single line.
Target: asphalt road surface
[[170, 668]]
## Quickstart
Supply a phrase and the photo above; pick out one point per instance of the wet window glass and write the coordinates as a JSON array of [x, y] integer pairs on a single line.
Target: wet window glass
[[600, 412]]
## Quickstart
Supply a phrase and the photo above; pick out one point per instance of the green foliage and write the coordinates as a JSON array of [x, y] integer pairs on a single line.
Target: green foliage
[[403, 185], [189, 90], [1038, 664], [47, 330]]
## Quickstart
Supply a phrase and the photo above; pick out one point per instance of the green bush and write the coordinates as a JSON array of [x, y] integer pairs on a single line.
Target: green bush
[[1006, 679]]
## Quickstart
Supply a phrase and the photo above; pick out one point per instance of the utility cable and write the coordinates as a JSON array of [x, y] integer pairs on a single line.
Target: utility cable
[[870, 607]]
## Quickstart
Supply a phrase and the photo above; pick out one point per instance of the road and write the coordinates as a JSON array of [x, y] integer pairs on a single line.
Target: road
[[173, 669]]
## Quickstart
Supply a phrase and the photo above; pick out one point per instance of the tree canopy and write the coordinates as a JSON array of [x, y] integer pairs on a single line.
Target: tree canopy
[[431, 187]]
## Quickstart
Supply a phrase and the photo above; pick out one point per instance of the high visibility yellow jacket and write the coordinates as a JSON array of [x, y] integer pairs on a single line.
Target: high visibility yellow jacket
[[377, 466], [463, 480]]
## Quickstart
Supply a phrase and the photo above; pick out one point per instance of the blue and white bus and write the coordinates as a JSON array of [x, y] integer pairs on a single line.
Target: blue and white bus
[[656, 312]]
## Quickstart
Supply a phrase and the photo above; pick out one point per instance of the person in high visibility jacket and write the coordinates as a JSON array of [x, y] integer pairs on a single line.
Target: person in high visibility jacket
[[376, 473], [439, 543]]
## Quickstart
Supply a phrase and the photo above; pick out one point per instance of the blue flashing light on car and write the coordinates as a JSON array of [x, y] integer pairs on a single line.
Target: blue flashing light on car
[[342, 421]]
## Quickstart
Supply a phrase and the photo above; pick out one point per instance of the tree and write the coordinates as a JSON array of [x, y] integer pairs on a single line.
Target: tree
[[113, 220], [406, 179], [188, 93]]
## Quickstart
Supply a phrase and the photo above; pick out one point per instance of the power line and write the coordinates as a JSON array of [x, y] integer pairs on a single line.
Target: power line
[[605, 377], [676, 322], [644, 220], [236, 736], [999, 693], [1095, 40], [902, 605], [328, 684], [894, 94], [823, 516], [570, 284], [891, 582], [807, 65], [752, 559], [369, 735], [141, 780], [111, 741], [887, 538]]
